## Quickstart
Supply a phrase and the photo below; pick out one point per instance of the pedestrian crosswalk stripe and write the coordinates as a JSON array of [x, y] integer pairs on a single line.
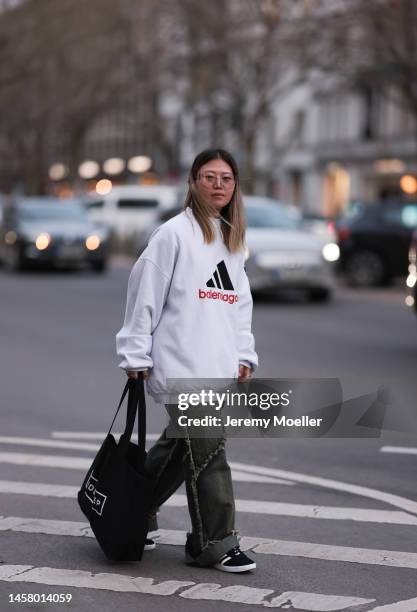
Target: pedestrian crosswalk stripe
[[290, 477], [293, 600], [238, 593], [47, 443], [400, 450], [74, 463], [94, 435], [267, 546], [367, 515], [83, 463], [80, 578], [326, 552], [407, 605]]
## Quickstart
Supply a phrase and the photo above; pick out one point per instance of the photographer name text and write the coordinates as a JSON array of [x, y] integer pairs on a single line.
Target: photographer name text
[[276, 421]]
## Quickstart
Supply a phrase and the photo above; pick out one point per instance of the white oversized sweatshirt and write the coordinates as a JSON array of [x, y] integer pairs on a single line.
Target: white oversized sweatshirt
[[189, 308]]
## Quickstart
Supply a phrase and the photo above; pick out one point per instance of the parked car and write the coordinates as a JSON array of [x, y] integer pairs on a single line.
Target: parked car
[[281, 253], [319, 225], [129, 210], [50, 232], [374, 243], [411, 283]]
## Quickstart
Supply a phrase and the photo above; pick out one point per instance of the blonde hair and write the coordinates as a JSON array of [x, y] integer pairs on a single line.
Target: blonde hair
[[233, 221]]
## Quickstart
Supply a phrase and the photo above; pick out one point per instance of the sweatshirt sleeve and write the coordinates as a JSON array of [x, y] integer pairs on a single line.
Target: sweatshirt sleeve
[[147, 292], [246, 341]]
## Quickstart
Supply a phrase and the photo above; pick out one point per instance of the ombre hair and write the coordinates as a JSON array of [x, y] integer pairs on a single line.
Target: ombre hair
[[232, 216]]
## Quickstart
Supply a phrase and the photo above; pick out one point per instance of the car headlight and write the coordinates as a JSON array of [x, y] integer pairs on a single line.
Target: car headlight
[[92, 242], [331, 251], [411, 281], [42, 241]]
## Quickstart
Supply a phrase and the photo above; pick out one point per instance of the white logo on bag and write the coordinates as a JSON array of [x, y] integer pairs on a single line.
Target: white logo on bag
[[96, 498]]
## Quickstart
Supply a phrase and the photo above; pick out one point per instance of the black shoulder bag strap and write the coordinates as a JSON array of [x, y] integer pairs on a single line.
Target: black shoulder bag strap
[[136, 404]]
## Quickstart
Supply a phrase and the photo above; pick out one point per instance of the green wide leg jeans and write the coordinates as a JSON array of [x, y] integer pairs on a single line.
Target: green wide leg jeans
[[202, 464]]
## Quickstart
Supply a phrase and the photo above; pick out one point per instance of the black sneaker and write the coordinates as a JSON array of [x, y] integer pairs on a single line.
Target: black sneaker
[[235, 561], [149, 544]]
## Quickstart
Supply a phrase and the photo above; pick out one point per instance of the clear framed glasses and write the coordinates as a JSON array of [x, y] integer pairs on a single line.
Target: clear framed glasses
[[210, 179]]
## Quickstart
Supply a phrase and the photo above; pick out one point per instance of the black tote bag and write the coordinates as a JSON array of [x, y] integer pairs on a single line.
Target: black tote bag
[[116, 493]]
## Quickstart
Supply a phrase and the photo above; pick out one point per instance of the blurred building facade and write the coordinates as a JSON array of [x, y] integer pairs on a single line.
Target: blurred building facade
[[349, 145], [99, 80], [78, 82]]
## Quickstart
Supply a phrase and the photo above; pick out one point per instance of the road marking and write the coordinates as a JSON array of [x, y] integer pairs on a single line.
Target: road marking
[[95, 435], [314, 601], [46, 443], [203, 591], [238, 476], [267, 546], [41, 489], [407, 605], [73, 463], [79, 578], [45, 526], [363, 515], [408, 505], [84, 463], [401, 450], [366, 515], [237, 593], [397, 501], [291, 599], [348, 554]]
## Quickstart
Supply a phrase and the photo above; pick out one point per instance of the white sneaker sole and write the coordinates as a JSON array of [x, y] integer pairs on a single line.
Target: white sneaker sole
[[235, 570], [150, 546]]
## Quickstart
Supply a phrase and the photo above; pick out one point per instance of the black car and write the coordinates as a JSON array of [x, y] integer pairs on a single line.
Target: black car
[[411, 282], [51, 232], [374, 242]]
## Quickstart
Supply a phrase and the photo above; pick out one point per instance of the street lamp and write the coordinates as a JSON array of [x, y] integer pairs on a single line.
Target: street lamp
[[114, 165], [88, 169], [139, 163], [58, 171]]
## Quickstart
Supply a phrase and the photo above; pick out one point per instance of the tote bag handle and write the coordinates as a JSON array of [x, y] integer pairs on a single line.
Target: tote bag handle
[[136, 404]]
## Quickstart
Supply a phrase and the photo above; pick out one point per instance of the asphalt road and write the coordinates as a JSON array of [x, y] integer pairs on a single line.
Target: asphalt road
[[332, 522]]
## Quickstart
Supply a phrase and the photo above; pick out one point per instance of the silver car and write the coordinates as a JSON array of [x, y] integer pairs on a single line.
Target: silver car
[[284, 255]]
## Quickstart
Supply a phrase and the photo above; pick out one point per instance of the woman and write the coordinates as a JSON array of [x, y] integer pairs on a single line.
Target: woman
[[188, 315]]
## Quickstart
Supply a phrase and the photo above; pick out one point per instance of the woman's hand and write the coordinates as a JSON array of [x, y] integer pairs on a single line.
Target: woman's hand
[[132, 374], [244, 373]]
